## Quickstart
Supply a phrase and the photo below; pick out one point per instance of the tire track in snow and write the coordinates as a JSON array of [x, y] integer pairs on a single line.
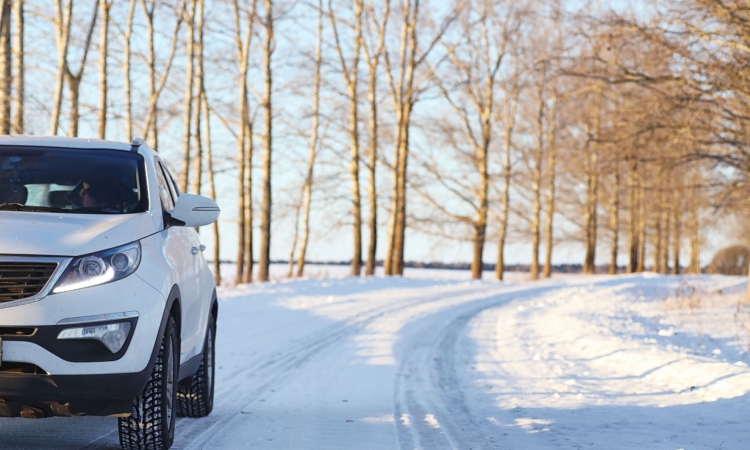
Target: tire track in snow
[[430, 408], [276, 369]]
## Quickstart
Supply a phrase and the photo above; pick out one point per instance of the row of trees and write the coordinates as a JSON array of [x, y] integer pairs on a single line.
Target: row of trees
[[480, 121]]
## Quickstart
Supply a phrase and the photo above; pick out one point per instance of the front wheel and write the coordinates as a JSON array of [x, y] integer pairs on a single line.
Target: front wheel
[[197, 400], [151, 423]]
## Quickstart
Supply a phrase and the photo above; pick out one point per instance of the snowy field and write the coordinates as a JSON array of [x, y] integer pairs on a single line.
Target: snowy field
[[432, 361]]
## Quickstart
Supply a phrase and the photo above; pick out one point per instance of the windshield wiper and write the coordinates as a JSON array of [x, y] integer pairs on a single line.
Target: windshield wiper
[[22, 207]]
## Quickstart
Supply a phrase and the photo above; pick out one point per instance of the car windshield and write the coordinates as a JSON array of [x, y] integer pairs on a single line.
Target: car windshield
[[71, 180]]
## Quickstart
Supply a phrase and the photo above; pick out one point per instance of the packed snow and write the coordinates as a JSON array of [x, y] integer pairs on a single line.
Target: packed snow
[[430, 361]]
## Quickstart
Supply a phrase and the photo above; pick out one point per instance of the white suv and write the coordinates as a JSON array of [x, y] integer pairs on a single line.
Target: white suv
[[107, 306]]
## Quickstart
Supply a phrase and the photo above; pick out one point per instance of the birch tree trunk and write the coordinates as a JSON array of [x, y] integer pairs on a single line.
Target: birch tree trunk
[[187, 104], [211, 182], [63, 14], [126, 72], [536, 183], [307, 190], [551, 169], [265, 226], [633, 221], [6, 65], [592, 189], [373, 61], [247, 276], [74, 79], [244, 140], [350, 73], [155, 87], [676, 243], [642, 222], [614, 220], [509, 119], [104, 6], [198, 159], [18, 68]]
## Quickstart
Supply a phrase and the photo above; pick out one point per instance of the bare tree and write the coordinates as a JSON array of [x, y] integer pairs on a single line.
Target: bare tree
[[63, 16], [6, 66], [350, 72], [104, 7], [187, 108], [405, 88], [73, 79], [126, 69], [512, 88], [199, 77], [307, 188], [244, 271], [476, 62], [265, 218], [19, 69], [156, 86], [211, 182], [373, 61]]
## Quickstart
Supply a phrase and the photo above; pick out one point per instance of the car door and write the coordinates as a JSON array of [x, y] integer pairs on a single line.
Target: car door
[[204, 277], [178, 249]]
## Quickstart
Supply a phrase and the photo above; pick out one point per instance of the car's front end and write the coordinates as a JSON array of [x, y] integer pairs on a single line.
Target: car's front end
[[79, 328]]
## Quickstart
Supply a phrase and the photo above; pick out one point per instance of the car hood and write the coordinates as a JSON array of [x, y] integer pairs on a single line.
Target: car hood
[[53, 234]]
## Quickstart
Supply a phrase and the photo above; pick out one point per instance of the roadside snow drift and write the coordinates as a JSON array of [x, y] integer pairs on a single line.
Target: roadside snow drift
[[629, 362]]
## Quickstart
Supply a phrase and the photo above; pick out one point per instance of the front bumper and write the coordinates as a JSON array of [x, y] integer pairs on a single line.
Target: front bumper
[[37, 396], [76, 377]]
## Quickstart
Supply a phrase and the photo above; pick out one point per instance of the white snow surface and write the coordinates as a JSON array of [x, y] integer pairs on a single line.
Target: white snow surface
[[433, 362]]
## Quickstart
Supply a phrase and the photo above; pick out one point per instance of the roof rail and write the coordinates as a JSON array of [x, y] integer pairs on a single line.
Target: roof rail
[[136, 143]]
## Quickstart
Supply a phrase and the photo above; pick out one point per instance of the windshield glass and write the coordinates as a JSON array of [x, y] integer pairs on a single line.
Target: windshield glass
[[71, 180]]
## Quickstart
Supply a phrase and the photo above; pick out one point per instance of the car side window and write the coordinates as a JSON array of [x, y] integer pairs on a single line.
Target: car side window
[[173, 184], [164, 193]]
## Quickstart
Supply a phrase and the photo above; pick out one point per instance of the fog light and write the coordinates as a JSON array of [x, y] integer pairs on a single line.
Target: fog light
[[112, 335]]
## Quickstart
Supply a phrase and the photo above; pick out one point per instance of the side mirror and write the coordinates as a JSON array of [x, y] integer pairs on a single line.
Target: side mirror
[[195, 210]]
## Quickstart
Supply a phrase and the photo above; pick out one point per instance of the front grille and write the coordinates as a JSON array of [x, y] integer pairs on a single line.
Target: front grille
[[20, 280]]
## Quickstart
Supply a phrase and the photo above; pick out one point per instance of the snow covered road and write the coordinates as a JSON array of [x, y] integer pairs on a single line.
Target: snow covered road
[[631, 362]]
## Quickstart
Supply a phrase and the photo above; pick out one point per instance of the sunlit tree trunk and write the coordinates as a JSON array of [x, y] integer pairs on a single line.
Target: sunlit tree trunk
[[634, 219], [19, 69], [211, 182], [265, 214], [6, 66], [676, 242], [187, 103], [199, 77], [126, 69], [74, 79], [592, 189], [63, 13], [313, 151], [509, 120], [551, 169], [350, 73], [104, 7], [614, 220], [536, 182], [155, 87], [243, 273]]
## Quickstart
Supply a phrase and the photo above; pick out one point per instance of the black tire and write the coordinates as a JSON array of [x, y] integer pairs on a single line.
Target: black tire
[[151, 423], [198, 399]]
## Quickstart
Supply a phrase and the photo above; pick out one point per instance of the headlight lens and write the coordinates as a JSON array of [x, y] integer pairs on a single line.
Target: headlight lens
[[100, 268]]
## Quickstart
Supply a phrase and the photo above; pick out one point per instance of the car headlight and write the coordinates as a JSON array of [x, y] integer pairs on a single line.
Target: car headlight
[[100, 268]]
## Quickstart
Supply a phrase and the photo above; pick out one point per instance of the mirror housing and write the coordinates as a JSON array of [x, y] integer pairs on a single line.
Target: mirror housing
[[195, 210]]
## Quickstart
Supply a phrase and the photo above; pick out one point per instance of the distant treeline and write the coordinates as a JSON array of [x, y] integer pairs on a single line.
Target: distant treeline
[[557, 268]]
